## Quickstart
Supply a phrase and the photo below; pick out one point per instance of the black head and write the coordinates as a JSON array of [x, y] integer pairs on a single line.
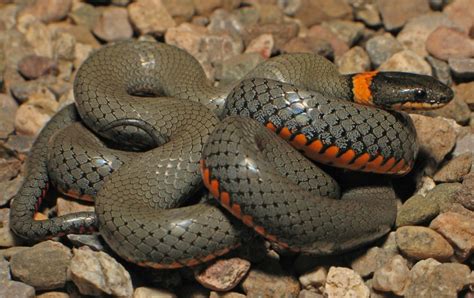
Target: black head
[[408, 91]]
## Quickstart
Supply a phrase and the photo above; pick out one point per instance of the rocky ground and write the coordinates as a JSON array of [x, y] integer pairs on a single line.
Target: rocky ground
[[429, 252]]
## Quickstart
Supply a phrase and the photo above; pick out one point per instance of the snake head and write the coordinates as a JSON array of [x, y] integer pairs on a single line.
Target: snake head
[[408, 91]]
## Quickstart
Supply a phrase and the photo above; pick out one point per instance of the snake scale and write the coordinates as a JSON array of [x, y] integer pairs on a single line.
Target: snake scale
[[180, 132]]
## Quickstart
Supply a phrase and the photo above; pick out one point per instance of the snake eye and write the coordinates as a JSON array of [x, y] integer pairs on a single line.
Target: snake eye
[[420, 94]]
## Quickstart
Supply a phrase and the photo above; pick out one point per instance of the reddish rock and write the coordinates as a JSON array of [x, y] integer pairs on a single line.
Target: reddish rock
[[48, 10], [312, 12], [406, 61], [455, 169], [461, 12], [282, 33], [113, 24], [353, 61], [262, 44], [338, 45], [32, 67], [224, 274], [445, 43], [396, 13], [150, 17]]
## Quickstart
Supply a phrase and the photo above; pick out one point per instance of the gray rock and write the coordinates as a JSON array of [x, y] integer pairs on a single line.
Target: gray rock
[[8, 107], [4, 270], [406, 61], [9, 168], [462, 68], [444, 43], [393, 276], [309, 44], [441, 70], [338, 45], [7, 238], [457, 110], [353, 61], [85, 15], [444, 194], [43, 266], [16, 289], [465, 196], [93, 241], [342, 282], [422, 243], [235, 68], [282, 33], [263, 45], [96, 273], [222, 21], [396, 13], [315, 279], [10, 188], [367, 12], [349, 32], [371, 260], [417, 210], [48, 10], [32, 67], [247, 15], [224, 274], [150, 17], [113, 24], [381, 47], [21, 144], [455, 169]]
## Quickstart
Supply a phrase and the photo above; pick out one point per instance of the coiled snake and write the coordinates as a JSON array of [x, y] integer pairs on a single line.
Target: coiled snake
[[154, 100]]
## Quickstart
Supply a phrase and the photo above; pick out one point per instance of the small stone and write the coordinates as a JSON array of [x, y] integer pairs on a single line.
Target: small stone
[[308, 44], [314, 280], [207, 6], [53, 294], [237, 67], [93, 241], [458, 229], [85, 15], [423, 267], [144, 292], [393, 276], [349, 32], [367, 12], [460, 11], [32, 67], [455, 169], [247, 15], [462, 68], [7, 237], [7, 253], [426, 184], [416, 210], [43, 266], [465, 196], [224, 274], [223, 22], [268, 279], [48, 10], [31, 118], [82, 52], [441, 70], [444, 194], [4, 270], [95, 273], [65, 206], [396, 13], [317, 11], [40, 38], [113, 24], [22, 90], [406, 61], [371, 260], [21, 144], [10, 187], [83, 35], [381, 47], [9, 168], [465, 92], [353, 61], [263, 45], [338, 45], [457, 110], [344, 282], [182, 9], [150, 17], [226, 295], [422, 243], [64, 46], [269, 14], [8, 107], [445, 43], [16, 289], [282, 33]]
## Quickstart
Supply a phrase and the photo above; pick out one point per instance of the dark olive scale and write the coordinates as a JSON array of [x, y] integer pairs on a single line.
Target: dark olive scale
[[126, 93]]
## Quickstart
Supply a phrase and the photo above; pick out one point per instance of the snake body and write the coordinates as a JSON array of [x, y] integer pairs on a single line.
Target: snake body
[[155, 100]]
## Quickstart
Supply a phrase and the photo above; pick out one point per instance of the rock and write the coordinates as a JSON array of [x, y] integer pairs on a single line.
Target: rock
[[10, 187], [82, 52], [462, 68], [445, 43], [40, 38], [83, 36], [53, 294], [7, 238], [338, 45], [263, 45], [353, 61], [465, 92], [181, 9], [269, 14], [4, 270], [457, 109], [7, 253], [441, 70], [347, 31], [43, 266], [237, 67], [16, 289], [434, 143], [415, 33], [422, 243], [144, 292], [226, 295], [371, 260], [113, 24], [30, 119], [367, 12], [224, 274], [64, 46], [32, 67], [9, 168], [381, 47], [396, 14], [393, 276], [312, 12], [95, 273], [460, 11], [223, 22], [206, 7], [269, 279], [93, 241], [150, 17], [465, 196], [48, 10], [314, 280], [281, 33], [21, 144], [343, 282], [454, 277], [416, 211], [247, 15], [455, 169], [426, 184], [22, 90], [85, 15], [458, 229], [65, 206], [308, 44], [406, 61], [423, 267], [8, 107], [444, 194]]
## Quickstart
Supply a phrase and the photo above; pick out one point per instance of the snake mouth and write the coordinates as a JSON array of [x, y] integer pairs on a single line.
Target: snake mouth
[[409, 106]]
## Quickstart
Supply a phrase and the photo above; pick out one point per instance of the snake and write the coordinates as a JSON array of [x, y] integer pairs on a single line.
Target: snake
[[148, 131]]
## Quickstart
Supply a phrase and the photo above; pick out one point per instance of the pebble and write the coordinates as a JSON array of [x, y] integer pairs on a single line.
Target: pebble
[[96, 273], [29, 119], [417, 210], [226, 295], [396, 13], [43, 266], [347, 31], [393, 276], [235, 68], [353, 61], [315, 279], [406, 61], [344, 282], [53, 294], [7, 237], [381, 47], [8, 107], [48, 10], [462, 68], [85, 15], [40, 38], [441, 70], [4, 270], [64, 46], [460, 11], [371, 260], [367, 12], [21, 144], [465, 196], [262, 44], [269, 279], [465, 92], [281, 33], [338, 45], [32, 67], [458, 229], [144, 292], [455, 169], [207, 6], [180, 10], [444, 43], [224, 274], [22, 90], [222, 21], [16, 289], [422, 243], [93, 241], [317, 11], [269, 13], [151, 17], [9, 168], [68, 206], [457, 109], [82, 52], [444, 194], [113, 24], [308, 44]]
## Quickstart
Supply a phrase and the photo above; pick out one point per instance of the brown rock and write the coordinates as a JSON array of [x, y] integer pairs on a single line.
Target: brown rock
[[460, 11], [183, 9], [65, 206], [205, 7], [224, 274], [367, 12], [458, 229], [12, 288], [457, 109], [85, 15], [262, 44], [226, 295], [381, 47], [422, 243], [9, 168], [465, 196], [465, 92], [315, 279], [312, 12], [347, 31], [7, 238], [462, 68], [113, 24], [53, 295], [281, 33], [455, 169], [48, 10], [445, 43], [8, 107], [416, 211], [64, 46], [32, 67], [353, 61], [269, 14], [41, 39], [29, 119], [338, 45], [308, 44], [343, 282], [406, 61], [396, 13], [144, 292], [150, 17], [393, 276]]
